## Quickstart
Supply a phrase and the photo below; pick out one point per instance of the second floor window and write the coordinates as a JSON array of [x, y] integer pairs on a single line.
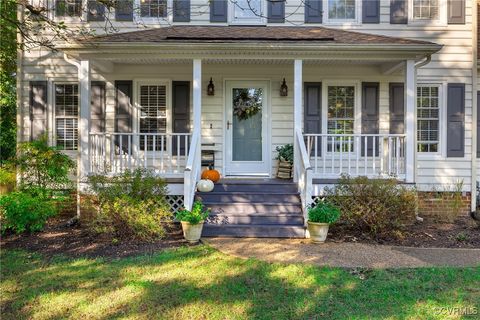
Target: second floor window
[[68, 8], [428, 118], [426, 9], [153, 8], [341, 10], [248, 11]]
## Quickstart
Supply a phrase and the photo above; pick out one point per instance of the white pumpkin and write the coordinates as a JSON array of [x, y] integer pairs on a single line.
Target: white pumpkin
[[205, 185]]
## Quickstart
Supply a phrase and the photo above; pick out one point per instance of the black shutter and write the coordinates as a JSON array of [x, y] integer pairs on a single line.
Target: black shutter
[[276, 11], [312, 111], [218, 10], [96, 11], [97, 111], [397, 108], [313, 11], [123, 110], [181, 11], [371, 11], [180, 112], [456, 120], [398, 11], [38, 108], [124, 10], [478, 124], [456, 11], [370, 115]]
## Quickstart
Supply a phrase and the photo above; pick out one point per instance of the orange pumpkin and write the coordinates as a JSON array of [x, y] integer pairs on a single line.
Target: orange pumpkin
[[211, 174]]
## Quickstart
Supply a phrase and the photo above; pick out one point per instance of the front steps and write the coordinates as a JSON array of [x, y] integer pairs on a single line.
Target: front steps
[[253, 208]]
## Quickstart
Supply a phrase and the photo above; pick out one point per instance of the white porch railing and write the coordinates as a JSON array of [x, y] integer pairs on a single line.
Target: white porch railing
[[192, 171], [371, 155], [303, 172], [164, 153]]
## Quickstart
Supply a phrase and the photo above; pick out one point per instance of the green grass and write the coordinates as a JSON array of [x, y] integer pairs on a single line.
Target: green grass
[[201, 283]]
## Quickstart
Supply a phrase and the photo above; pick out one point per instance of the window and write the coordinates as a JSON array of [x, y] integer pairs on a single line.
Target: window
[[248, 11], [428, 113], [153, 8], [426, 9], [341, 113], [341, 10], [68, 8], [153, 115], [66, 116]]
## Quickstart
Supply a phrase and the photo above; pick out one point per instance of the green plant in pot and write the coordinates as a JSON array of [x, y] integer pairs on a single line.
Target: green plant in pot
[[192, 221], [320, 216], [285, 161]]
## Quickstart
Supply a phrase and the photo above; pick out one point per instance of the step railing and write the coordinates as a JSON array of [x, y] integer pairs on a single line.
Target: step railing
[[113, 153], [192, 170], [371, 155], [303, 173]]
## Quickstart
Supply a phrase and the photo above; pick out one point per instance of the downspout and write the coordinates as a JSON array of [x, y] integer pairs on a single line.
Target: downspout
[[473, 194], [18, 87], [427, 60]]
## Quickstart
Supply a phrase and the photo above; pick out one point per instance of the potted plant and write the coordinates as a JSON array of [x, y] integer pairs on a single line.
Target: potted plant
[[192, 221], [320, 216], [285, 161]]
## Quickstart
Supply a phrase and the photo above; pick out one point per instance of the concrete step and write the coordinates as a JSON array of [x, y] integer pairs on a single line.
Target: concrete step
[[237, 197], [255, 219], [253, 208], [254, 231]]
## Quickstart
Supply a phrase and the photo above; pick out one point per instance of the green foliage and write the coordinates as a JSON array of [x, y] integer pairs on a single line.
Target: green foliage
[[7, 176], [285, 152], [22, 211], [374, 206], [129, 206], [195, 216], [323, 212], [43, 168]]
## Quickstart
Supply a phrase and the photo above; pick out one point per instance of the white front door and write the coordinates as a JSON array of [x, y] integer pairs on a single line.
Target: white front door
[[246, 128]]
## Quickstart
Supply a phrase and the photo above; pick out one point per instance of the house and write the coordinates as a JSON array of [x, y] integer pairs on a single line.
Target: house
[[382, 88]]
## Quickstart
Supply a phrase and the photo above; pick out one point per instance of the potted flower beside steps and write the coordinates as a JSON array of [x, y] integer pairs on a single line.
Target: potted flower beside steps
[[320, 216], [192, 221]]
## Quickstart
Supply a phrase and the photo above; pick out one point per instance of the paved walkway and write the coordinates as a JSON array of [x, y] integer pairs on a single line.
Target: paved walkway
[[349, 255]]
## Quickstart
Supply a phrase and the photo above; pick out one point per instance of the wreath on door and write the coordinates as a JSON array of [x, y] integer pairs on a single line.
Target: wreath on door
[[246, 104]]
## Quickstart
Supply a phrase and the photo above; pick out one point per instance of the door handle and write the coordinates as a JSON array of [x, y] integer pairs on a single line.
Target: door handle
[[228, 124]]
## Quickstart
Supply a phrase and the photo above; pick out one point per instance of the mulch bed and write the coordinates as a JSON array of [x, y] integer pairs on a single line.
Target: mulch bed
[[464, 232], [77, 241]]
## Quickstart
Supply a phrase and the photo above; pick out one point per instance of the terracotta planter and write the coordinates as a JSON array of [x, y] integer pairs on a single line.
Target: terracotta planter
[[318, 231], [192, 232]]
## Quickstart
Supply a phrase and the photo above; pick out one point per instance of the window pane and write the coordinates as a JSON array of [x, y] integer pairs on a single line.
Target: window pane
[[153, 8], [427, 118], [341, 9], [341, 106], [68, 8], [153, 115], [425, 9]]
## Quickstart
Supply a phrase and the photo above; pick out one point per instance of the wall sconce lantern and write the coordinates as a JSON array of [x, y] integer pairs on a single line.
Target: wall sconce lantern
[[211, 88], [283, 89]]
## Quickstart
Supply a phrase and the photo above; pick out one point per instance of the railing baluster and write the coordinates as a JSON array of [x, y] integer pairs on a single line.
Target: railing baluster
[[154, 154], [145, 151], [365, 153], [178, 153], [316, 152], [324, 153], [129, 152], [333, 154], [397, 155], [374, 156], [121, 152], [349, 148], [161, 152], [341, 156], [390, 156]]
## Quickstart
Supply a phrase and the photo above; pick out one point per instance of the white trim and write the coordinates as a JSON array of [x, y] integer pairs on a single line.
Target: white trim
[[344, 22], [440, 22], [256, 20]]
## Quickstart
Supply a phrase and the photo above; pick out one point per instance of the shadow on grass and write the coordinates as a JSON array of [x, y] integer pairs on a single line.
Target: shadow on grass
[[199, 282]]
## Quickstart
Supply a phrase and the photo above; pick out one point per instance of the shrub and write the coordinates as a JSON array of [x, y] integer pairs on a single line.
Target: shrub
[[7, 179], [22, 211], [285, 152], [375, 206], [323, 212], [130, 206], [195, 216]]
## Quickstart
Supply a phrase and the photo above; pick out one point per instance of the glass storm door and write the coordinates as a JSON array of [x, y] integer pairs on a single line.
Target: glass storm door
[[246, 128]]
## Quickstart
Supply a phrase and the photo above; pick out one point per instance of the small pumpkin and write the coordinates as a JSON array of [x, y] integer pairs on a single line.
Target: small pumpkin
[[205, 185], [211, 174]]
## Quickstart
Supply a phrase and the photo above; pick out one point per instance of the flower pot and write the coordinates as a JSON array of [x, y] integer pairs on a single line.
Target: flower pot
[[318, 231], [285, 169], [192, 232]]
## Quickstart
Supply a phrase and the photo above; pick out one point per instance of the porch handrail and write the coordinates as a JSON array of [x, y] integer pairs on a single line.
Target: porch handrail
[[303, 172], [192, 170]]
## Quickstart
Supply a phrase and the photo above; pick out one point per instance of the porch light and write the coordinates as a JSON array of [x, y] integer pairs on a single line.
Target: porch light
[[211, 88], [283, 89]]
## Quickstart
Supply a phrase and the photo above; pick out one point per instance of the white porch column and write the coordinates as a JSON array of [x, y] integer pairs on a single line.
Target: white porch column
[[84, 121], [410, 125], [297, 108], [197, 104]]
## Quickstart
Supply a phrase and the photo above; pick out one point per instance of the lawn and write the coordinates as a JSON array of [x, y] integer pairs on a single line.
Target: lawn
[[202, 283]]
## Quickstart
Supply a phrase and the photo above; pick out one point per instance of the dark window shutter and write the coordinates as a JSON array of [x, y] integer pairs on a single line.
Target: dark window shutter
[[124, 10], [38, 108], [397, 108], [312, 110], [96, 11], [456, 11], [276, 11], [97, 111], [181, 11], [371, 11], [370, 115], [313, 11], [123, 110], [456, 120], [398, 11], [478, 124], [218, 10], [180, 112]]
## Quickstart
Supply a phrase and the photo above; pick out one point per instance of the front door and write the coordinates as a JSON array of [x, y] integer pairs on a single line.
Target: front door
[[246, 128]]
